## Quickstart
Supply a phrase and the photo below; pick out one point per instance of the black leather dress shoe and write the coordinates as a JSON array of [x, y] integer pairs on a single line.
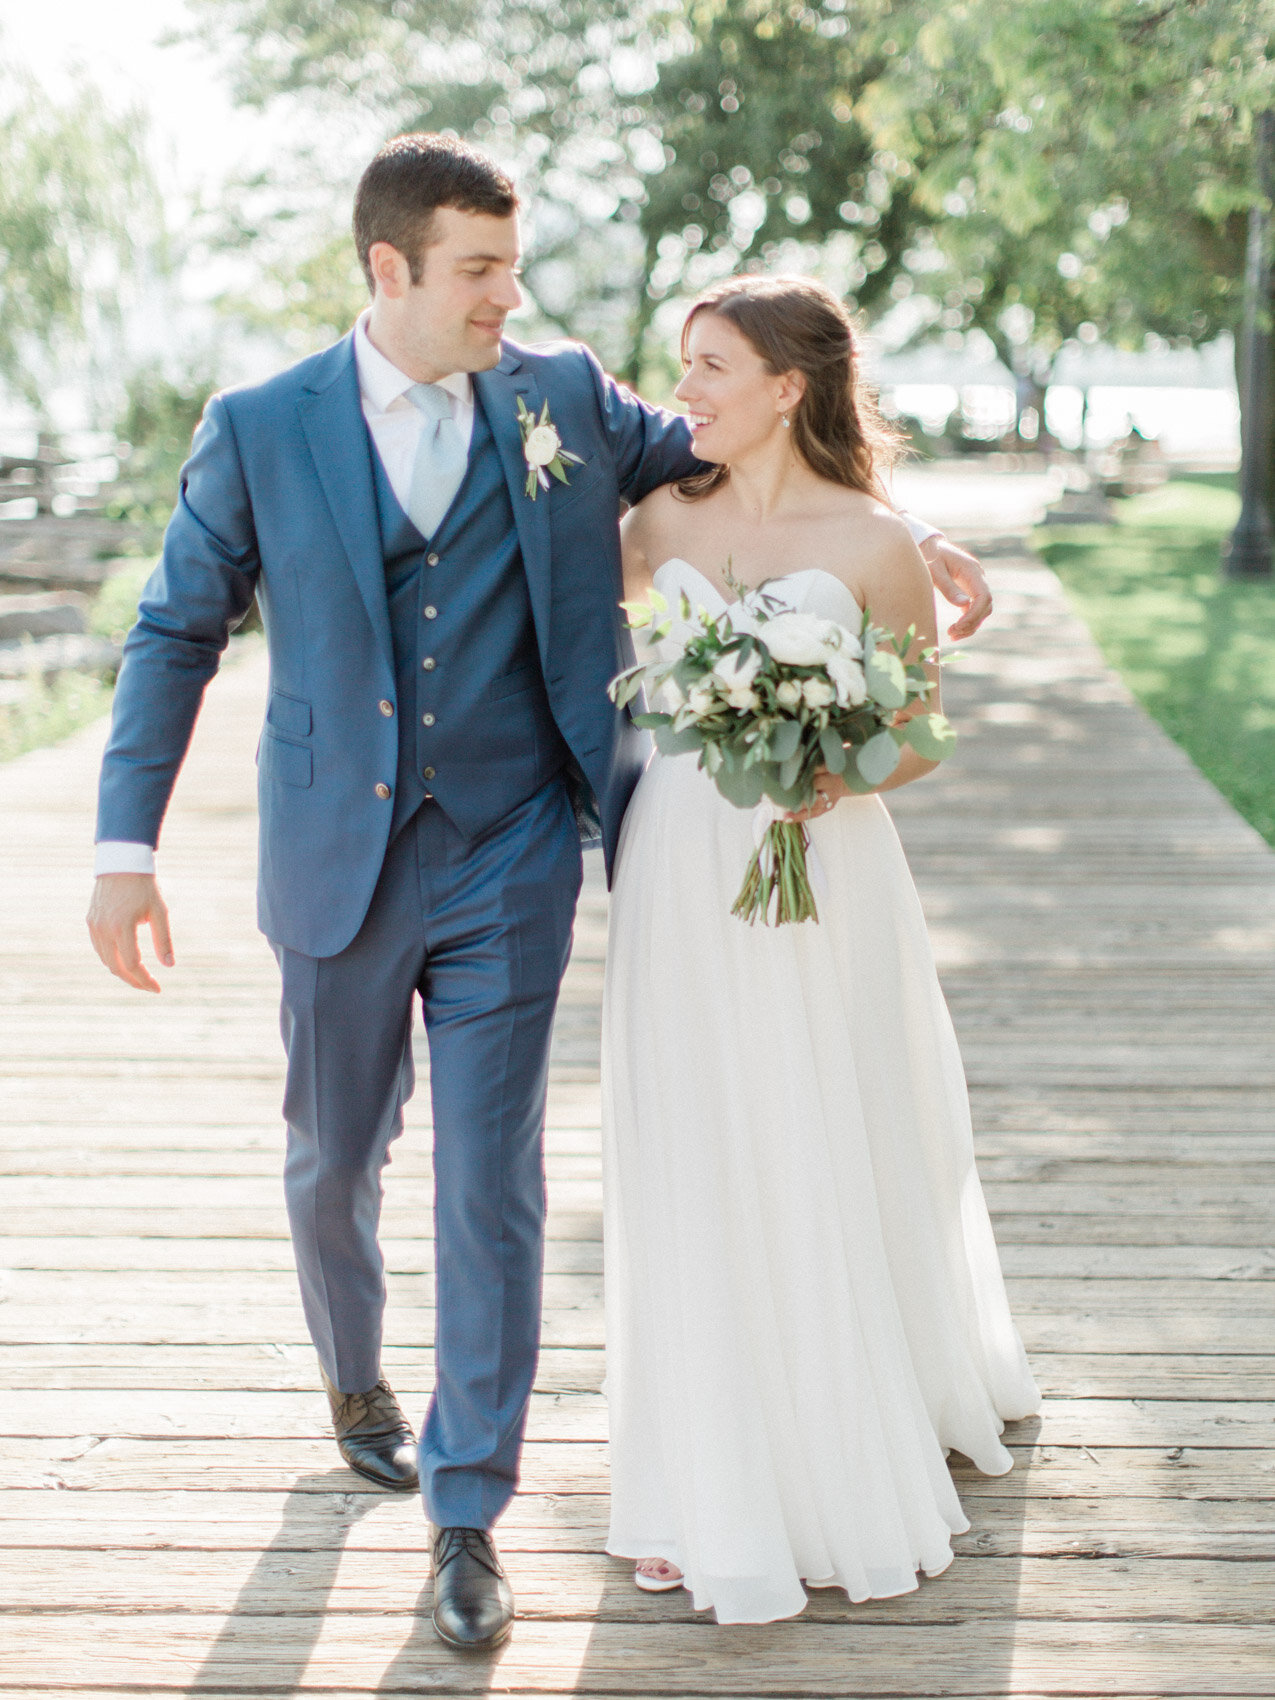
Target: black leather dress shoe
[[374, 1437], [473, 1602]]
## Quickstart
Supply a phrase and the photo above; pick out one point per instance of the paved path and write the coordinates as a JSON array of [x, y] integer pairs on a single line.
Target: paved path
[[174, 1518]]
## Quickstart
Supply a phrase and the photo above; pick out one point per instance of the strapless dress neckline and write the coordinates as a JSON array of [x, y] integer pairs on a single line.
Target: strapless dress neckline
[[771, 587]]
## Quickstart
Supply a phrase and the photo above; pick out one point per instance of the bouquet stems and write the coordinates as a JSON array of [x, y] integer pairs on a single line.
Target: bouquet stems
[[778, 871]]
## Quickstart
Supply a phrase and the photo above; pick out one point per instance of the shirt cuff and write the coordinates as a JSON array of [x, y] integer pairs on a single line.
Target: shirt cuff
[[114, 856], [919, 528]]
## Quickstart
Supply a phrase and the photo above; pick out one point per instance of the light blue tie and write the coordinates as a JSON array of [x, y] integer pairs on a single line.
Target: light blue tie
[[440, 460]]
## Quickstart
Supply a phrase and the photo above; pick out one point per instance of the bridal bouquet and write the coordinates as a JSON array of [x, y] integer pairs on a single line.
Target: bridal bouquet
[[769, 698]]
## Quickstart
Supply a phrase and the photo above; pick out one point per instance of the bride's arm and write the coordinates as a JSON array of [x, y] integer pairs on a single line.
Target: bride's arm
[[638, 531], [896, 585], [893, 583]]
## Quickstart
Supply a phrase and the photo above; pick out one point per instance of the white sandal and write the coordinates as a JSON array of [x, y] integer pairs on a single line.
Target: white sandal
[[658, 1584]]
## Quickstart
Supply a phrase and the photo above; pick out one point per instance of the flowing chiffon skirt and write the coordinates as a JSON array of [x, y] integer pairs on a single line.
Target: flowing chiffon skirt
[[805, 1308]]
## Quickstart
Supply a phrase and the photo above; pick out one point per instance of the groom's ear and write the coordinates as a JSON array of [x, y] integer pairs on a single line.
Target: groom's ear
[[391, 271]]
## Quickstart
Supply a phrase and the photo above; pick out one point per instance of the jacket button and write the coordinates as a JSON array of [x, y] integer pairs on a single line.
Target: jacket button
[[431, 613], [382, 791], [431, 560], [427, 773], [427, 719], [386, 707], [429, 664]]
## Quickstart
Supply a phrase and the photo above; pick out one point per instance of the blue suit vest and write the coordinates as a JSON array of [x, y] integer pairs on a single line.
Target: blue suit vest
[[475, 728]]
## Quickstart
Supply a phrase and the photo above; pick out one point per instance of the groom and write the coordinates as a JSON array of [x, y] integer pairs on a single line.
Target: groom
[[438, 741]]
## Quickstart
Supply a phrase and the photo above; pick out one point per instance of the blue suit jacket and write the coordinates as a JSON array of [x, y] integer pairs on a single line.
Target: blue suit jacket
[[274, 500]]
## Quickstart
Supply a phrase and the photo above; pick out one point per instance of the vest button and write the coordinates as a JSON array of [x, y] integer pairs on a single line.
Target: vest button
[[386, 707], [429, 664], [431, 613], [427, 719], [383, 791], [427, 773], [431, 560]]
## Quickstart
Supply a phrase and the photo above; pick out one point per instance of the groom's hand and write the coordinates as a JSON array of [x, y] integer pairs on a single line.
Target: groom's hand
[[121, 903], [958, 576]]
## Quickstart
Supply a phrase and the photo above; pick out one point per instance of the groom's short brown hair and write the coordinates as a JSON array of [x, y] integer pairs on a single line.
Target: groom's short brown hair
[[409, 180]]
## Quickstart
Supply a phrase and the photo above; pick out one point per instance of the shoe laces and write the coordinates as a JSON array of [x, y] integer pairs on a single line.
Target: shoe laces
[[450, 1543]]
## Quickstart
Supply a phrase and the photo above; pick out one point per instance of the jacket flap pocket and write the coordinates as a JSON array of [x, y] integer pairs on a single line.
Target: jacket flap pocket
[[289, 714], [292, 764], [517, 679]]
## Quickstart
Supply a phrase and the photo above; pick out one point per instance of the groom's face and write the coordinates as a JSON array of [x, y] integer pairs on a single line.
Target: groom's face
[[452, 319]]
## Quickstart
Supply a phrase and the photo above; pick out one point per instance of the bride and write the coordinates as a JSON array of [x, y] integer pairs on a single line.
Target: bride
[[805, 1310]]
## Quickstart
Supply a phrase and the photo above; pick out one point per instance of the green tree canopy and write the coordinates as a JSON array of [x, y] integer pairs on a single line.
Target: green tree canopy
[[1085, 163]]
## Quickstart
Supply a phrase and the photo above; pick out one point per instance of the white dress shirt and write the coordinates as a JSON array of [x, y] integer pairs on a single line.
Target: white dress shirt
[[396, 428]]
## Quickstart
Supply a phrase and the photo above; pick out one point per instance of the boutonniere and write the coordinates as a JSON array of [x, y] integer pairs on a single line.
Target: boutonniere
[[542, 449]]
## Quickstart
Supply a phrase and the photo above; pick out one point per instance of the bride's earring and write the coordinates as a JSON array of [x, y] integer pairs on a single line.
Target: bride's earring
[[787, 421]]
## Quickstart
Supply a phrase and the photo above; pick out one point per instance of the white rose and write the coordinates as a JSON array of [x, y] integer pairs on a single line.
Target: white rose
[[735, 670], [699, 699], [542, 445], [799, 640], [849, 643], [847, 675], [788, 694], [818, 693], [743, 697]]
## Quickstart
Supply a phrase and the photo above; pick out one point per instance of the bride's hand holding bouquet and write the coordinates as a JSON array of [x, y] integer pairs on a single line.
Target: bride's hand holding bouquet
[[773, 700]]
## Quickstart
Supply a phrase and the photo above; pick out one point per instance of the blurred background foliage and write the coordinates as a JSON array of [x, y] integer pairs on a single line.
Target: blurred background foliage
[[1043, 172], [1039, 170]]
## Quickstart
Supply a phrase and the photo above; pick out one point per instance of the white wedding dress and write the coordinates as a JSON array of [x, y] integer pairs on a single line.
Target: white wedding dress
[[805, 1308]]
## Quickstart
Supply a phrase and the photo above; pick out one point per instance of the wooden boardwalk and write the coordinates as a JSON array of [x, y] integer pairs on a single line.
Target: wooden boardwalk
[[175, 1519]]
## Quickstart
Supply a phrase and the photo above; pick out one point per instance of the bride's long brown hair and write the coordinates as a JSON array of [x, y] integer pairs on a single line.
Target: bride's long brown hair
[[798, 325]]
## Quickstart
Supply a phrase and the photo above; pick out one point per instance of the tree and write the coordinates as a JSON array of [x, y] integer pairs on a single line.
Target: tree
[[1086, 165], [762, 122], [549, 86], [78, 210]]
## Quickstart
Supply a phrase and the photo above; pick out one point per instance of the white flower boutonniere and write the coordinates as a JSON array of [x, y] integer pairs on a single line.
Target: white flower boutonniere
[[542, 449]]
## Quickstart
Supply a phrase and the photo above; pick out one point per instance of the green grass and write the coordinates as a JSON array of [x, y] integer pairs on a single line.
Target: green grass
[[1197, 650], [45, 713]]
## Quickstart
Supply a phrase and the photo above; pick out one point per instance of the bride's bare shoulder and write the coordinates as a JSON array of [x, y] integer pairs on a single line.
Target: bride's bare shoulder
[[868, 539], [651, 526]]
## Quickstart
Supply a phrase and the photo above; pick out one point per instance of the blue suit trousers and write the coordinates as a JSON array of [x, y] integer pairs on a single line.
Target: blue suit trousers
[[481, 929]]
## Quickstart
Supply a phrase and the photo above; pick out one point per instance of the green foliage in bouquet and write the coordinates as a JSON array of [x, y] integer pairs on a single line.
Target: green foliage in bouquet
[[772, 703]]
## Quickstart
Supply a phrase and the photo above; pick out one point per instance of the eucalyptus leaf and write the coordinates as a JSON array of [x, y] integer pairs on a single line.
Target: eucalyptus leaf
[[670, 743], [832, 750], [784, 739], [878, 758], [787, 797], [741, 786], [790, 769], [887, 682], [651, 722], [932, 736]]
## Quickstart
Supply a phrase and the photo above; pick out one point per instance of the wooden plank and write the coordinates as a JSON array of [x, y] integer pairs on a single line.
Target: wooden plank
[[588, 1586], [1106, 1527], [399, 1654], [85, 1366], [88, 1464], [195, 1413]]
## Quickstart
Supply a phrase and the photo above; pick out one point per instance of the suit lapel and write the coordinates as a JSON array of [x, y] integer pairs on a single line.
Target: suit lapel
[[332, 419], [498, 391]]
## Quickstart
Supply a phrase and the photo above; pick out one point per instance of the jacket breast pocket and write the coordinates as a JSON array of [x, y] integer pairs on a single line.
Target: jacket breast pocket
[[289, 714], [518, 679], [291, 764], [580, 481]]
